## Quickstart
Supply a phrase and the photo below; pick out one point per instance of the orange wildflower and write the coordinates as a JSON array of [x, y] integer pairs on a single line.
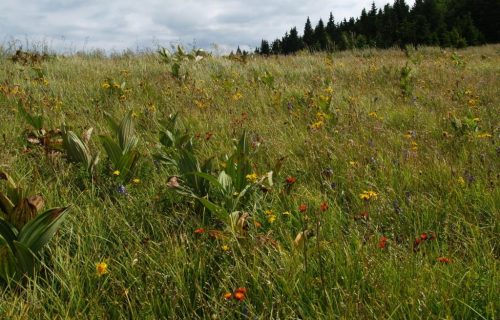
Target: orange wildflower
[[303, 207], [324, 206], [383, 242], [444, 260]]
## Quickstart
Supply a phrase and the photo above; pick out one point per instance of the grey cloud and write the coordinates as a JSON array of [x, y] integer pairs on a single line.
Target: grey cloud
[[120, 24]]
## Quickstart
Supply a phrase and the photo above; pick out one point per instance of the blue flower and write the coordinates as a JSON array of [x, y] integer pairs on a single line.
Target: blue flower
[[122, 190]]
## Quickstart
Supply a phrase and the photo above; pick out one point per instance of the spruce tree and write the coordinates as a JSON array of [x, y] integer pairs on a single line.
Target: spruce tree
[[308, 36]]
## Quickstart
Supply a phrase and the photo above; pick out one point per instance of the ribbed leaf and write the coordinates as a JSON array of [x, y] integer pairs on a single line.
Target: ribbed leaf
[[76, 149], [6, 232], [218, 211], [6, 206], [112, 123], [226, 182], [7, 261], [25, 258], [112, 149], [127, 164], [36, 233], [126, 135]]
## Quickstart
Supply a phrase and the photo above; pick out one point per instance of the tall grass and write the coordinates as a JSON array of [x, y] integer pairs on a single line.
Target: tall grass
[[342, 124]]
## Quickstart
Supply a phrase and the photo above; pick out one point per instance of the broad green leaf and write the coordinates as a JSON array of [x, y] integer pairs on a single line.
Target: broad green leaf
[[25, 258], [6, 231], [112, 123], [112, 149], [126, 136], [226, 182], [218, 211], [76, 149], [6, 206], [7, 262], [36, 233]]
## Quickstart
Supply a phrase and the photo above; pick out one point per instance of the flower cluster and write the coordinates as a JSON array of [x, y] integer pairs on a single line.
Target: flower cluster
[[239, 294]]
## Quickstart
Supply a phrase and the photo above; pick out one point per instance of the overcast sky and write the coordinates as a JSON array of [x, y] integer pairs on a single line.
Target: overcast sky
[[114, 25]]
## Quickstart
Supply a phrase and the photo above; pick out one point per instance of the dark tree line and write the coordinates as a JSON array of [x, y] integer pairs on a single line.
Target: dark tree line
[[446, 23]]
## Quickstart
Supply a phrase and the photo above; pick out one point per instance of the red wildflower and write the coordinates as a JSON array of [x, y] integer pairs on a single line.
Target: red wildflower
[[242, 290], [423, 236], [240, 296], [444, 260], [303, 207], [324, 206], [291, 180], [228, 295], [208, 135], [199, 231], [383, 242]]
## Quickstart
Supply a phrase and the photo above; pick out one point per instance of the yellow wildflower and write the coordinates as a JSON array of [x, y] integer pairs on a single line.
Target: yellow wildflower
[[286, 213], [101, 268], [373, 114], [237, 96], [105, 85], [414, 146], [136, 180], [461, 181], [271, 218], [268, 212], [116, 172], [317, 125], [368, 195], [321, 116], [252, 178], [225, 247]]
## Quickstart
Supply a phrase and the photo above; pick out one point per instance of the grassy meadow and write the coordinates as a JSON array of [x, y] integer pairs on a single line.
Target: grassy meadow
[[383, 201]]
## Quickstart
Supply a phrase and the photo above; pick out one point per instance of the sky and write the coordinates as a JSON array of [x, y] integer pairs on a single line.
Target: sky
[[116, 25]]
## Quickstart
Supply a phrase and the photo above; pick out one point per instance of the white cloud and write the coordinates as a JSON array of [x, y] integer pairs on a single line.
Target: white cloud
[[121, 24]]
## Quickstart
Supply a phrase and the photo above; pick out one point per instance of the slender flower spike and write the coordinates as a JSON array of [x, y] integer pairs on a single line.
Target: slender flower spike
[[303, 208], [116, 173], [101, 268]]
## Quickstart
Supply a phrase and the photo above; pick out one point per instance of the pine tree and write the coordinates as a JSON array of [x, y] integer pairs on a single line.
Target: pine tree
[[308, 36], [264, 48], [331, 31], [320, 36]]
